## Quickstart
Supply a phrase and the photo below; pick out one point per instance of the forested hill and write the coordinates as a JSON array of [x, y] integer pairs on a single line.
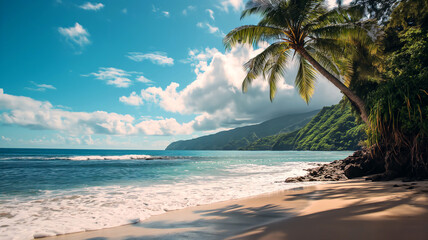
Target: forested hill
[[241, 137], [333, 128]]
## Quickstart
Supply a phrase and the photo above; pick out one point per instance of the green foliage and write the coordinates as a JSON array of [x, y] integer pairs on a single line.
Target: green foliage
[[333, 128], [398, 124], [400, 105]]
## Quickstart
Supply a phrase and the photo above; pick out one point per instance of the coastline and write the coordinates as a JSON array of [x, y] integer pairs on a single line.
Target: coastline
[[353, 209]]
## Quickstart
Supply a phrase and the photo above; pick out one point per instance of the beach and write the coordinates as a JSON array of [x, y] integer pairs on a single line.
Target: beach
[[55, 192], [353, 209]]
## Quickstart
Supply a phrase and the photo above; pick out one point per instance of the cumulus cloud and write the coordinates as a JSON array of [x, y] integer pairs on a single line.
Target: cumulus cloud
[[133, 99], [77, 35], [160, 58], [211, 13], [113, 76], [40, 87], [34, 114], [216, 98], [92, 6], [199, 59], [235, 4], [211, 29]]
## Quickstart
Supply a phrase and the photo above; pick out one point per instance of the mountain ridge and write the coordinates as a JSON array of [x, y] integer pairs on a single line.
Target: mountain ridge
[[240, 137]]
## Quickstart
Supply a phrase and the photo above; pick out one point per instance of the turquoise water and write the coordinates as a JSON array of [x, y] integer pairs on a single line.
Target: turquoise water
[[55, 191]]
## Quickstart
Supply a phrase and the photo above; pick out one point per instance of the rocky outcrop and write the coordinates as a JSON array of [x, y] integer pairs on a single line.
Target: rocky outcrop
[[359, 164]]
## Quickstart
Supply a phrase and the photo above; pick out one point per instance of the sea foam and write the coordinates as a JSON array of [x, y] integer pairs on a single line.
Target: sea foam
[[59, 212]]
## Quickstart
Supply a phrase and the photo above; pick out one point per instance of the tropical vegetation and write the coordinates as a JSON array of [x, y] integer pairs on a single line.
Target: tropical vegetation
[[332, 129], [375, 52], [304, 29]]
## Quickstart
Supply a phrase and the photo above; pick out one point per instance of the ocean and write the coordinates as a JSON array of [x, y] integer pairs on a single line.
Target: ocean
[[47, 192]]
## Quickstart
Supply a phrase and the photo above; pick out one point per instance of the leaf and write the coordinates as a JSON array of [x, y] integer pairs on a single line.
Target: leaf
[[305, 79]]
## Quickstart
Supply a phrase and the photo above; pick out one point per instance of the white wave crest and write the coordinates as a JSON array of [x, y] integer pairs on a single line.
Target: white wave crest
[[93, 208]]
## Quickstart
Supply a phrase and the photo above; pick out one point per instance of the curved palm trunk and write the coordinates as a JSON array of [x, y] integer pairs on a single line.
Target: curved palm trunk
[[357, 101]]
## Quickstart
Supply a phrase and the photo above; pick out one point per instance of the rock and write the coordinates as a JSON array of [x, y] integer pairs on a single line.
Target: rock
[[353, 171], [360, 163]]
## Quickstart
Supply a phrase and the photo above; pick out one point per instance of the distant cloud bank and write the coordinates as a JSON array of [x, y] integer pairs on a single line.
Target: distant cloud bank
[[34, 114]]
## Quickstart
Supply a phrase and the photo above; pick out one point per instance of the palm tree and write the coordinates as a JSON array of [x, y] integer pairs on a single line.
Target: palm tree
[[305, 28]]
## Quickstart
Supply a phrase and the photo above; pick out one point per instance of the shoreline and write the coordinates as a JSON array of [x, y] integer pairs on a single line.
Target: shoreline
[[390, 206], [118, 231]]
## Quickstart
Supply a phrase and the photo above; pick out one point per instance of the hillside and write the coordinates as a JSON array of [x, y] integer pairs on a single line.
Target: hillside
[[240, 137], [333, 128]]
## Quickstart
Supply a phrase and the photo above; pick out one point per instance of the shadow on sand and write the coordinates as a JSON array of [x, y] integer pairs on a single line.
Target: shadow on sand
[[357, 210]]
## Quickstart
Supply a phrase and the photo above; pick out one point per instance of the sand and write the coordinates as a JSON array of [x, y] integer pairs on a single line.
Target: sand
[[344, 210]]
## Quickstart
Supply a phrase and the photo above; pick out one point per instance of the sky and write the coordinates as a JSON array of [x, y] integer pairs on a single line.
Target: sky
[[130, 74]]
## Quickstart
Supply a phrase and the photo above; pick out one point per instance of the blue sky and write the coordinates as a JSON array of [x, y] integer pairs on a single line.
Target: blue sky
[[129, 74]]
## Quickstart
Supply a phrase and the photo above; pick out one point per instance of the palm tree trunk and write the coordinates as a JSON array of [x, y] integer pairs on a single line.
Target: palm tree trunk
[[357, 101]]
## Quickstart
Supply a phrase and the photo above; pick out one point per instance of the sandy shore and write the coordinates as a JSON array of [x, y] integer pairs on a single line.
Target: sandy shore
[[344, 210]]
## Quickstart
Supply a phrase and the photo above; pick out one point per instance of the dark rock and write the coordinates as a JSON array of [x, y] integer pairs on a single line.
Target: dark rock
[[395, 185], [353, 171], [360, 163]]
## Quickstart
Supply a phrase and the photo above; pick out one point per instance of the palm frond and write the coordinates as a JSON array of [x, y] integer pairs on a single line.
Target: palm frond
[[305, 79], [251, 34], [326, 60], [338, 31], [261, 7], [328, 46], [276, 71], [260, 63]]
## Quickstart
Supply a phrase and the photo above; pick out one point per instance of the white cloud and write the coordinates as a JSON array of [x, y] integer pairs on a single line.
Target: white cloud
[[188, 9], [92, 6], [235, 4], [120, 82], [199, 59], [113, 76], [165, 13], [144, 79], [40, 87], [133, 99], [216, 97], [76, 35], [211, 29], [33, 114], [155, 57], [168, 126], [211, 13]]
